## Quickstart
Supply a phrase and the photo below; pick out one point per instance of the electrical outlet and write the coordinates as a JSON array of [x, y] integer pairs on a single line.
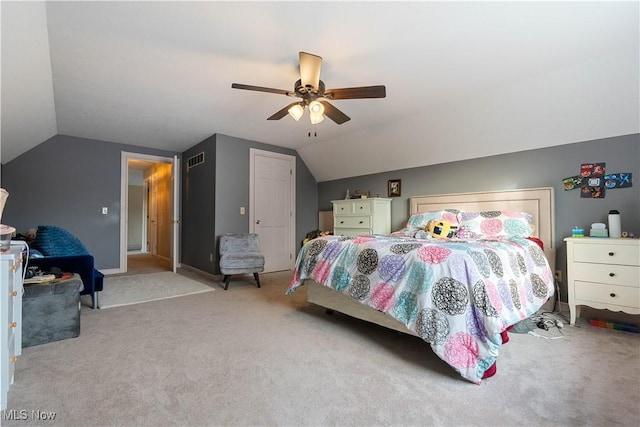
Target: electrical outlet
[[559, 276]]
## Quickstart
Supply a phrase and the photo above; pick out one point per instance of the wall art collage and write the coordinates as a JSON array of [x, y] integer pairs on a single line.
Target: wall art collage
[[594, 181]]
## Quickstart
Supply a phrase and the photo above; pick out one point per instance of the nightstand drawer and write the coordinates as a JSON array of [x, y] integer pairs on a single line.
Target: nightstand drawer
[[610, 274], [607, 253], [607, 294], [352, 222]]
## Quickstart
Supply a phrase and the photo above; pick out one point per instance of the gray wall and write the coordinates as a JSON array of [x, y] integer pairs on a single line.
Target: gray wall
[[528, 169], [213, 193], [65, 181], [198, 207]]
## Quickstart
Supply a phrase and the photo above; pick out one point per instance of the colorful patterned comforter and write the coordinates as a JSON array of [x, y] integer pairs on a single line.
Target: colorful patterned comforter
[[456, 295]]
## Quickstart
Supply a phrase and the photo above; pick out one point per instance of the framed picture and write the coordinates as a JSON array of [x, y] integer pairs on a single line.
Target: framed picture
[[394, 188]]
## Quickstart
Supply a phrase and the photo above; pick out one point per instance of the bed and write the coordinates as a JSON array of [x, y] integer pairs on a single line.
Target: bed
[[461, 294]]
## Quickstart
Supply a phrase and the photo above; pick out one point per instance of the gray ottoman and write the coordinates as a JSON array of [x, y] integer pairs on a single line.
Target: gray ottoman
[[51, 312]]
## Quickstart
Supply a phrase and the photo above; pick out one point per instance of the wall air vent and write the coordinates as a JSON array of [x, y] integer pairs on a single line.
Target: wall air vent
[[196, 160]]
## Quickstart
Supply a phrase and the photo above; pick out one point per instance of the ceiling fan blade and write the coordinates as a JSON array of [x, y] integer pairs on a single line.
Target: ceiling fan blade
[[334, 114], [310, 66], [261, 89], [357, 92], [281, 113]]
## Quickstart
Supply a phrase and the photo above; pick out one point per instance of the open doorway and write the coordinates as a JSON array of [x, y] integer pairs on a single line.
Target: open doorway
[[147, 240]]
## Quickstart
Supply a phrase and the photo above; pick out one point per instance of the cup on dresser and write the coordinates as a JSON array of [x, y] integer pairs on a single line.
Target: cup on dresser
[[615, 227]]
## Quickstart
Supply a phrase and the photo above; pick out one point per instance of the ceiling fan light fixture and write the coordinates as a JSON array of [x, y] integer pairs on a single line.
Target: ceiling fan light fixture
[[315, 107], [316, 118], [309, 89], [296, 112]]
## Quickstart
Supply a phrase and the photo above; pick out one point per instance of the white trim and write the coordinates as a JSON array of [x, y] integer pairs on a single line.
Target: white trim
[[292, 223], [125, 156], [111, 271]]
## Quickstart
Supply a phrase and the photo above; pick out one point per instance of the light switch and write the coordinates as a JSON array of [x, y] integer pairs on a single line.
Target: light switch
[[105, 210], [242, 210]]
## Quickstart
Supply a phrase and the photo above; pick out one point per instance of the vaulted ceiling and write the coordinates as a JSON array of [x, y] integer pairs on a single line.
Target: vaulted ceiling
[[463, 79]]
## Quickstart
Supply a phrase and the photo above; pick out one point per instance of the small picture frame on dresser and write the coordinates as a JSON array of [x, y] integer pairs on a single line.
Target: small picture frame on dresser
[[393, 189]]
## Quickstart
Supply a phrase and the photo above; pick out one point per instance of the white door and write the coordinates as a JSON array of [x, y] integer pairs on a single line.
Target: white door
[[272, 207]]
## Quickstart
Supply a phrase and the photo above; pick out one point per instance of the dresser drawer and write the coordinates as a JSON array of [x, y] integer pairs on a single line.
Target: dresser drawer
[[607, 253], [354, 217], [350, 232], [362, 207], [355, 207], [352, 222], [342, 208], [625, 296], [610, 274]]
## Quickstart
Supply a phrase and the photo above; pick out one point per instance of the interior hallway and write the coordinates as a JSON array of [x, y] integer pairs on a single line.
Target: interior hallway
[[143, 263]]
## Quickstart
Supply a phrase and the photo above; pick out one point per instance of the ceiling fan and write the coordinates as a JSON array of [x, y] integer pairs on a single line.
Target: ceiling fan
[[311, 90]]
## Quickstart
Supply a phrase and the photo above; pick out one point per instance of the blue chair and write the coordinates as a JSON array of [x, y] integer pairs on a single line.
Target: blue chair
[[63, 250], [240, 254]]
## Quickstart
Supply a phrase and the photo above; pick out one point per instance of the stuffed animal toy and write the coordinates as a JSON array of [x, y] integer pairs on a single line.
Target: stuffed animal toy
[[313, 235], [441, 228]]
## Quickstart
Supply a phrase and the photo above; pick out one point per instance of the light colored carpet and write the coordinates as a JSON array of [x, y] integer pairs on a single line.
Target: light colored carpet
[[139, 288], [256, 357]]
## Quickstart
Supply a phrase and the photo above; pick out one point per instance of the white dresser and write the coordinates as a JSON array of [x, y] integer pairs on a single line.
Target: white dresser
[[353, 217], [603, 273], [11, 312]]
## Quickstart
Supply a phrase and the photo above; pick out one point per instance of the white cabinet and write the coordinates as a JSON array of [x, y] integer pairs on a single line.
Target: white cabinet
[[355, 217], [603, 273], [11, 312]]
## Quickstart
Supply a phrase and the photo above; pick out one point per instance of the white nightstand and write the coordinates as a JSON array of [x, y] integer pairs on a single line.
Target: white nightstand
[[603, 273]]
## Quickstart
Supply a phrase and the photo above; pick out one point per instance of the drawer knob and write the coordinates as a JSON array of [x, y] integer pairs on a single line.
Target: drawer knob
[[341, 222], [14, 293], [612, 295], [13, 324], [612, 274], [610, 253], [361, 207], [361, 222]]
